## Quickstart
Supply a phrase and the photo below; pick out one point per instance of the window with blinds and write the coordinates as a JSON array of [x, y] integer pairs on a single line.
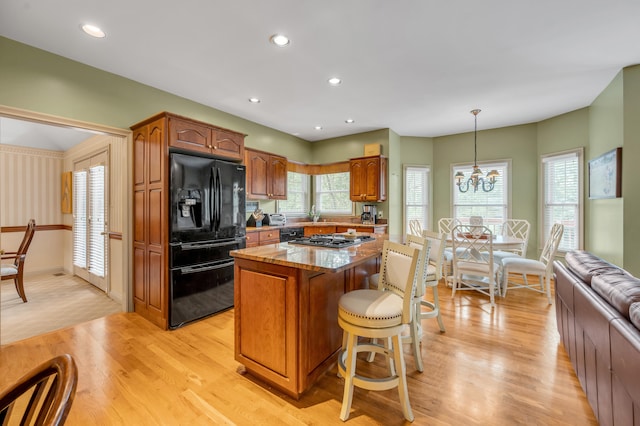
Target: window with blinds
[[492, 206], [297, 202], [332, 193], [80, 219], [416, 196], [562, 186]]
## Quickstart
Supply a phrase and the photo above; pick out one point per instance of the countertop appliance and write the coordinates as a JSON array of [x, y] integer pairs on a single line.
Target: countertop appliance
[[277, 219], [330, 241], [207, 222], [369, 214], [288, 234]]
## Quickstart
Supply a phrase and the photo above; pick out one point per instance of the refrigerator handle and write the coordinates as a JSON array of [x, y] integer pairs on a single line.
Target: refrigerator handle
[[212, 200], [219, 195]]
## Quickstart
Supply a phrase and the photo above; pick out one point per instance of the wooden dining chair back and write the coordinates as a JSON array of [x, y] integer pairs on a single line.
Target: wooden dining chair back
[[473, 264], [517, 228], [15, 269], [43, 396], [445, 225]]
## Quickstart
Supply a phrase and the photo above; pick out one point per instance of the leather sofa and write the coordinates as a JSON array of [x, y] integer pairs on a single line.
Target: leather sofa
[[598, 318]]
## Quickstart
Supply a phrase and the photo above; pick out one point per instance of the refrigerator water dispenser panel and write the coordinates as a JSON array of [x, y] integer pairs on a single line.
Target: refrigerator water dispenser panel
[[189, 206]]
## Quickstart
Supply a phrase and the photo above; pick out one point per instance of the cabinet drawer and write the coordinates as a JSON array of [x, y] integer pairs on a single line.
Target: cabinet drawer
[[269, 237], [311, 230], [253, 239]]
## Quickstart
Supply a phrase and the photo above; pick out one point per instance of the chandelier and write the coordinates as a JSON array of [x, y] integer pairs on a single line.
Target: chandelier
[[476, 179]]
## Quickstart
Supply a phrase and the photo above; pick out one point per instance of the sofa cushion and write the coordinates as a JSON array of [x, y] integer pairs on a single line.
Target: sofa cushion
[[621, 291], [586, 265], [634, 314]]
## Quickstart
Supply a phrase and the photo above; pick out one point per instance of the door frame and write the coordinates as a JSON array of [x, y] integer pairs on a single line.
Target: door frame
[[127, 217]]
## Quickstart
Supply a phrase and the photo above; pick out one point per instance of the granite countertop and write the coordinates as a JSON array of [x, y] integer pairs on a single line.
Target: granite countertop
[[303, 224], [313, 258]]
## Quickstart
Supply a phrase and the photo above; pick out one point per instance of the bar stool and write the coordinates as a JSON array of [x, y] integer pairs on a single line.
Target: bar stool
[[379, 314]]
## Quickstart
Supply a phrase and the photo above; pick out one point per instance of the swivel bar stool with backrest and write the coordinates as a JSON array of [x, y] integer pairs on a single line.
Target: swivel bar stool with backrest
[[433, 276], [425, 272], [379, 314]]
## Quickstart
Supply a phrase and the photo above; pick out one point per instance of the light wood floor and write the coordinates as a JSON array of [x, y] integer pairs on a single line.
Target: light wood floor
[[490, 368]]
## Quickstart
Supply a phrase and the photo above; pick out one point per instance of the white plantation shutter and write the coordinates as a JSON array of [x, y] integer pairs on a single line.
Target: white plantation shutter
[[97, 220], [80, 219], [416, 196], [562, 182]]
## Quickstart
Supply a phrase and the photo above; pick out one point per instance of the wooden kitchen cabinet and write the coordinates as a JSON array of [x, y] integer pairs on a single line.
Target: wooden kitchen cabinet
[[195, 136], [320, 229], [152, 139], [368, 178], [261, 238], [266, 175]]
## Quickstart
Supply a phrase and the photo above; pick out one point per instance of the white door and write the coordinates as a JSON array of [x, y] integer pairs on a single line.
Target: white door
[[90, 219]]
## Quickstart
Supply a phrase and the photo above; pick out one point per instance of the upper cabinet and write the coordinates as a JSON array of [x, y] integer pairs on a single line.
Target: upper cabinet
[[266, 175], [200, 137], [368, 178]]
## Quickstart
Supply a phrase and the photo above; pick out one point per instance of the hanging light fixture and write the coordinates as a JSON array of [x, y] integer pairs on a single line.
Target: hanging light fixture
[[476, 179]]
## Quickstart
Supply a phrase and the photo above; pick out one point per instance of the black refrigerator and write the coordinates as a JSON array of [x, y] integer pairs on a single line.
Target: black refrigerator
[[207, 221]]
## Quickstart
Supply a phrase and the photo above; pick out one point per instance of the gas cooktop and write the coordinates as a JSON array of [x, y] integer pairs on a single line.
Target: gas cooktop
[[330, 241]]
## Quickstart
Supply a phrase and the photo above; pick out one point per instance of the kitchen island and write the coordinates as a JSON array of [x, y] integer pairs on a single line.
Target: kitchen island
[[286, 308]]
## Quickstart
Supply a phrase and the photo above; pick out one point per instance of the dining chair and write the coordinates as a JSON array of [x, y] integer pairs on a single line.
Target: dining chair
[[15, 270], [542, 268], [473, 264], [515, 228], [415, 227], [43, 396], [376, 314], [445, 225], [433, 276]]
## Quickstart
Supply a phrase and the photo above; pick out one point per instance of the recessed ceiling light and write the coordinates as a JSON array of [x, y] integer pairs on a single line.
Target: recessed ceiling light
[[334, 81], [349, 120], [318, 127], [279, 40], [93, 31], [254, 100]]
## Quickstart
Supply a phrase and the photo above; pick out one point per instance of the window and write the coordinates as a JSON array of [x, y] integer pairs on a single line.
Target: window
[[297, 202], [332, 194], [492, 206], [416, 196], [562, 187]]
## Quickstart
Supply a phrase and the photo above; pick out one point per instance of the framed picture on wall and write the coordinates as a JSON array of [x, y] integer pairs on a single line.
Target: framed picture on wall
[[66, 194], [605, 175]]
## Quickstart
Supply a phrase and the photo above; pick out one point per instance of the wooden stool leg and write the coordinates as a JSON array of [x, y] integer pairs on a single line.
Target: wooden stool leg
[[350, 364], [436, 303], [402, 378]]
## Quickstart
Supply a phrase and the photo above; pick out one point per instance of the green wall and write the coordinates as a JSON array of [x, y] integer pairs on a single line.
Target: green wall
[[516, 143], [416, 151], [630, 158], [605, 133], [39, 81]]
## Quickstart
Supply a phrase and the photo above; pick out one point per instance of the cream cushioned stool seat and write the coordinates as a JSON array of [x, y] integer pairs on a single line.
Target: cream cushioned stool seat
[[379, 314]]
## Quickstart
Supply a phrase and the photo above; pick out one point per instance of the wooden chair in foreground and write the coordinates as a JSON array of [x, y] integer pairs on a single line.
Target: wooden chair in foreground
[[379, 315], [43, 396], [14, 271]]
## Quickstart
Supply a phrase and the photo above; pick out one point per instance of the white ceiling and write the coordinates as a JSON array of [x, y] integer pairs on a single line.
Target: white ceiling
[[415, 66]]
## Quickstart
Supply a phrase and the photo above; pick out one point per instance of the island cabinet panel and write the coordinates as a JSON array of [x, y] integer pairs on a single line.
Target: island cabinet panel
[[264, 306], [266, 318], [319, 308]]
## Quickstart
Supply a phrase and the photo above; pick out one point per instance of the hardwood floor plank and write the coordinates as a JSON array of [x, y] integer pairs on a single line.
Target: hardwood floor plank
[[500, 367]]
